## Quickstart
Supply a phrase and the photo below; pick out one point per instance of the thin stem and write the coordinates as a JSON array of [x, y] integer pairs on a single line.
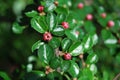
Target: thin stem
[[68, 78], [116, 78]]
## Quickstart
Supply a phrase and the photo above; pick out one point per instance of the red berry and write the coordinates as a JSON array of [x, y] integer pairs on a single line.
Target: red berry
[[80, 5], [89, 17], [103, 15], [40, 8], [67, 56], [110, 23], [47, 36], [65, 25]]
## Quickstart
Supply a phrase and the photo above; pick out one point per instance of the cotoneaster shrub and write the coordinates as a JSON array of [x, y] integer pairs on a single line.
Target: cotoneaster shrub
[[74, 39]]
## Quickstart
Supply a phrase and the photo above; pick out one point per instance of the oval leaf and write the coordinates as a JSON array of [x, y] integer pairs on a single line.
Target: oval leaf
[[58, 30], [45, 53], [51, 20], [66, 43], [74, 69], [38, 24], [76, 49]]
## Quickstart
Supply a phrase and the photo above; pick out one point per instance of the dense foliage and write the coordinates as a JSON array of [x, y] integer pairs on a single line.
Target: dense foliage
[[60, 39]]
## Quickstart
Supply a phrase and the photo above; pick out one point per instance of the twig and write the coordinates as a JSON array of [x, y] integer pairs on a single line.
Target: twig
[[116, 78]]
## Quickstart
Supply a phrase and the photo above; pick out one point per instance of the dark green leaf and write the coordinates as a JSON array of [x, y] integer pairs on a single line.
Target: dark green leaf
[[66, 43], [49, 6], [55, 63], [93, 68], [92, 58], [76, 49], [45, 53], [62, 10], [39, 24], [74, 69], [51, 20], [39, 73], [55, 42], [58, 30], [61, 18], [65, 65], [72, 34], [36, 45]]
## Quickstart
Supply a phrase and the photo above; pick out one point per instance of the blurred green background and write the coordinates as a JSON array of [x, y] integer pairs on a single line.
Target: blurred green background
[[15, 48]]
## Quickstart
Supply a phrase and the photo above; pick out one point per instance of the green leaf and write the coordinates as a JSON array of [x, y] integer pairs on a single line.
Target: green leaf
[[89, 27], [74, 69], [92, 58], [62, 10], [105, 34], [72, 34], [17, 28], [45, 53], [66, 43], [55, 63], [86, 74], [39, 73], [55, 42], [61, 18], [49, 6], [58, 30], [36, 45], [76, 49], [65, 65], [4, 76], [51, 20], [31, 13], [93, 68], [39, 24]]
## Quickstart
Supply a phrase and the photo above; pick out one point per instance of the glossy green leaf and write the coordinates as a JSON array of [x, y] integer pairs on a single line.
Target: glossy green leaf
[[86, 74], [72, 34], [74, 69], [31, 13], [76, 49], [92, 58], [49, 6], [65, 65], [62, 10], [36, 45], [66, 43], [45, 53], [93, 68], [39, 24], [4, 76], [51, 20], [58, 30], [55, 42], [39, 73], [55, 63], [17, 28], [89, 41], [61, 18]]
